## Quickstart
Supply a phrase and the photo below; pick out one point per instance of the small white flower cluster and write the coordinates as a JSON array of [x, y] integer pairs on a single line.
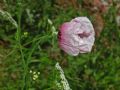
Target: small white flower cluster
[[63, 79], [58, 85], [35, 74], [7, 16]]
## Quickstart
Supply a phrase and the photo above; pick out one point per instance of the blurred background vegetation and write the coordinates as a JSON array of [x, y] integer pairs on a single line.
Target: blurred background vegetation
[[28, 45]]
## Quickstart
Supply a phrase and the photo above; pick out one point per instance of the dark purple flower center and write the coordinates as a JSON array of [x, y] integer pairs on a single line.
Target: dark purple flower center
[[82, 35]]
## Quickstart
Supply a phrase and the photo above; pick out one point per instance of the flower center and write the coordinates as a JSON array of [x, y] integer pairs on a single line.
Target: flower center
[[82, 35]]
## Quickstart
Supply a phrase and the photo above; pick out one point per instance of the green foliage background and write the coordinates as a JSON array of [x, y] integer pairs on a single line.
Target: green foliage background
[[33, 47]]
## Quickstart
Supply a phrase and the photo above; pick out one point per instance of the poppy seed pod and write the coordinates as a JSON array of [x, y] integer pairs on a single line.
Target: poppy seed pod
[[76, 36]]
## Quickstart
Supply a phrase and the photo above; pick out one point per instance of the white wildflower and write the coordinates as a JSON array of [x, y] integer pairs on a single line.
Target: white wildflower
[[8, 16], [63, 79], [58, 85], [30, 71], [35, 74]]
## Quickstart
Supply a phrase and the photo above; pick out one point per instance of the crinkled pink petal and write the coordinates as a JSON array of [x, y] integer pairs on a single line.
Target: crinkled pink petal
[[69, 49]]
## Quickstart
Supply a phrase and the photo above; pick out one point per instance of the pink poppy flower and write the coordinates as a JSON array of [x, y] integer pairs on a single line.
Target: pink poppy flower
[[76, 36]]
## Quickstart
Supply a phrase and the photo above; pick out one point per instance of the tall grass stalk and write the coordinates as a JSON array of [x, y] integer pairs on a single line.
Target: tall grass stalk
[[18, 40]]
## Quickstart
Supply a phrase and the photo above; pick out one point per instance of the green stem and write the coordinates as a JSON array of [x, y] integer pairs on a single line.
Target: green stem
[[18, 39]]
